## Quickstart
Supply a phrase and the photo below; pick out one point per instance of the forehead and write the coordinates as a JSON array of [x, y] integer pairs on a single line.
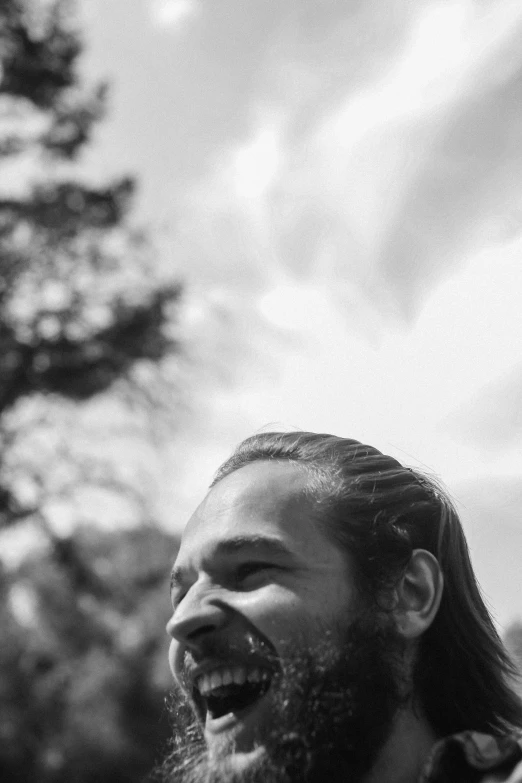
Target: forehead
[[258, 500]]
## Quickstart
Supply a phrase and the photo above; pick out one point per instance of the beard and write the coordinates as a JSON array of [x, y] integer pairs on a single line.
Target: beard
[[333, 709]]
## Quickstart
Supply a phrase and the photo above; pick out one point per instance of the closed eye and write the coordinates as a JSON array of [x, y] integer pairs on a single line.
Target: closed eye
[[176, 598], [254, 568]]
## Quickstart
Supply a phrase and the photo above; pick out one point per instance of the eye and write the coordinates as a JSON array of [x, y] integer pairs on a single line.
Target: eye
[[176, 599], [251, 569], [177, 594]]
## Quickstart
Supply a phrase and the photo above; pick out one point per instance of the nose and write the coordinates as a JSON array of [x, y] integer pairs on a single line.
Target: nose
[[198, 614]]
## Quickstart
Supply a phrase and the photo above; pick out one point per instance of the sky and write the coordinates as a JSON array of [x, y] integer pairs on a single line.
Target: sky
[[339, 187]]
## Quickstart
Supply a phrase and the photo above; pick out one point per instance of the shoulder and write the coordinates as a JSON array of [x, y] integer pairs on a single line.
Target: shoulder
[[498, 758]]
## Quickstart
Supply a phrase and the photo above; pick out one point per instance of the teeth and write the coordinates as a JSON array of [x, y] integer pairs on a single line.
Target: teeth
[[227, 677], [239, 675], [206, 683]]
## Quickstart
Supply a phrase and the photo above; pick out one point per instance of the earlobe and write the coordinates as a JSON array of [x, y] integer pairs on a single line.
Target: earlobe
[[418, 594]]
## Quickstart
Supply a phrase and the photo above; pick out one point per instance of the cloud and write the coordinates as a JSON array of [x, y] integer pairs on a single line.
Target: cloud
[[172, 13], [492, 418], [408, 166], [490, 510], [419, 166], [493, 499]]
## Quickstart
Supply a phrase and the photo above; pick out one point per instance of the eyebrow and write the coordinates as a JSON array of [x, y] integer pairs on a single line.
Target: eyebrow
[[232, 546]]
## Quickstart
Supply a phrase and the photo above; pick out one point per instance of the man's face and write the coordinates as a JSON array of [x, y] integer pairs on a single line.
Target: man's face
[[255, 581], [290, 679]]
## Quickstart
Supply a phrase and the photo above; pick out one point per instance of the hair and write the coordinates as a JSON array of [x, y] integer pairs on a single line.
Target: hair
[[380, 511]]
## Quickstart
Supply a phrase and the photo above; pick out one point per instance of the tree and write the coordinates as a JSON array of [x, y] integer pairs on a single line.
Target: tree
[[62, 239], [84, 317], [81, 307], [83, 663]]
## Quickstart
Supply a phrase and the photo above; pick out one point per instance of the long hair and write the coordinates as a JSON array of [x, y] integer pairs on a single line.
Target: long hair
[[379, 511]]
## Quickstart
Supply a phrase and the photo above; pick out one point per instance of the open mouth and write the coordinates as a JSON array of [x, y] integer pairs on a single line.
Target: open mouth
[[233, 698], [229, 691]]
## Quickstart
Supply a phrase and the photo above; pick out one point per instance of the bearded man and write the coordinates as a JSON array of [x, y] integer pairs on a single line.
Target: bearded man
[[327, 626]]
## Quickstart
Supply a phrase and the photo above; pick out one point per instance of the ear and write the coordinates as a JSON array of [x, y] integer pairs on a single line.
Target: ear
[[418, 594]]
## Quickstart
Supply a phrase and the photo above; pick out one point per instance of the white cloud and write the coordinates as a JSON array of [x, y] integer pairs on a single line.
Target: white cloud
[[172, 13], [289, 306], [256, 163]]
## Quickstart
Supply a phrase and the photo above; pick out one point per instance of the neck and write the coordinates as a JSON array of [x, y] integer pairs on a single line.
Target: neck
[[406, 750]]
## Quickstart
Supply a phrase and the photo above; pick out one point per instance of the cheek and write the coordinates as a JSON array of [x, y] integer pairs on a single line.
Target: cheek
[[265, 607], [306, 620], [281, 616]]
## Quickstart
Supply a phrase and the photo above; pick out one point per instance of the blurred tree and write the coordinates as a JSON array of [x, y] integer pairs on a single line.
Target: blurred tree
[[81, 307], [79, 304], [84, 671], [84, 316]]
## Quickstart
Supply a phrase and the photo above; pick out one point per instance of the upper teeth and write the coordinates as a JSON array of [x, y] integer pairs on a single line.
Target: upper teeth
[[206, 683]]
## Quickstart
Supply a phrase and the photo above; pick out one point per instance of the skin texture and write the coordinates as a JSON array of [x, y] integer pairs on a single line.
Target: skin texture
[[256, 580]]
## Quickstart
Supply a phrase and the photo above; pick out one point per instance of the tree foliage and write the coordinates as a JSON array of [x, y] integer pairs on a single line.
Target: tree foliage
[[39, 59], [83, 312], [62, 238], [84, 671], [80, 303]]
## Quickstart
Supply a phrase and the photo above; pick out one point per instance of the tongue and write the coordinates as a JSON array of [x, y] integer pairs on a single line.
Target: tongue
[[231, 698]]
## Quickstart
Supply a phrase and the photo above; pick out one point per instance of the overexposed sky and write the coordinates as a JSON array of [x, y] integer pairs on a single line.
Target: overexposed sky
[[340, 187]]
